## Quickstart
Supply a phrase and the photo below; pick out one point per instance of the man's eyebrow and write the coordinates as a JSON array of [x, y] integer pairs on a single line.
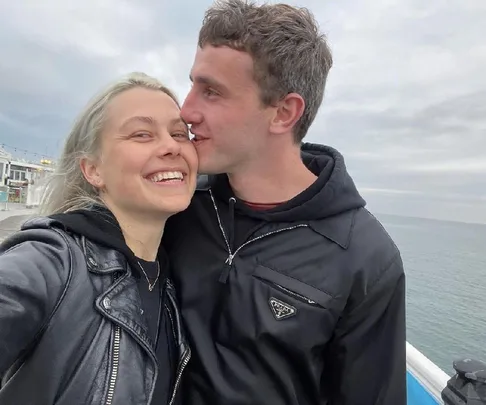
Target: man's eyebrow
[[207, 81]]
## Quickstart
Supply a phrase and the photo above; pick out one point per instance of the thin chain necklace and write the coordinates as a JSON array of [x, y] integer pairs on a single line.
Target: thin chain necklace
[[150, 285]]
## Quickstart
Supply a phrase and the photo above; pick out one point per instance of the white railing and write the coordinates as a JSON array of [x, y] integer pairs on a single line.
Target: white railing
[[428, 374], [34, 194]]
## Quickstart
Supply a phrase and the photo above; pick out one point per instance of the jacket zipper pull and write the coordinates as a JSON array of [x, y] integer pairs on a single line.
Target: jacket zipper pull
[[231, 225], [223, 277]]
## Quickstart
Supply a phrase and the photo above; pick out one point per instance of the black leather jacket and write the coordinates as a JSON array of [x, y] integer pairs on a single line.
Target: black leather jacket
[[71, 329]]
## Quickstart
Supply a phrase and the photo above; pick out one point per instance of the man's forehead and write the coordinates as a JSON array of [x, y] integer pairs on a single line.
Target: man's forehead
[[221, 65], [222, 57]]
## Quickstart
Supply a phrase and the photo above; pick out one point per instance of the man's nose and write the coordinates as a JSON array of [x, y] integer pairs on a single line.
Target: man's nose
[[190, 112]]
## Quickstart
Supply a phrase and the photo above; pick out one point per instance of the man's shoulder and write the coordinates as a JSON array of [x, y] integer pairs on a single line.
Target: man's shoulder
[[368, 225], [366, 256], [363, 240], [370, 242]]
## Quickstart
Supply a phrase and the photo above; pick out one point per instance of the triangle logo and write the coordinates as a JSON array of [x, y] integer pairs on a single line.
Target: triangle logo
[[280, 309]]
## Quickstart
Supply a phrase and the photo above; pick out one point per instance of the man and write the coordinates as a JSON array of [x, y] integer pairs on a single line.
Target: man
[[291, 291]]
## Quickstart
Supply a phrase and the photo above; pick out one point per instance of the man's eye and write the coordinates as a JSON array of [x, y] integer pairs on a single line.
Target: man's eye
[[210, 92]]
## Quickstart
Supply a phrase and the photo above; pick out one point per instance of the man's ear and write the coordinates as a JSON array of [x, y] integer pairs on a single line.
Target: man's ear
[[288, 111], [89, 168]]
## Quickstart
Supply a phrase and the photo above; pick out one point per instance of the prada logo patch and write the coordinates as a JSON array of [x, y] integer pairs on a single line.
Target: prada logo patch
[[280, 309]]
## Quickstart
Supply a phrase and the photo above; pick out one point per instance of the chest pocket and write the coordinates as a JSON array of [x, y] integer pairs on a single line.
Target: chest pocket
[[266, 308]]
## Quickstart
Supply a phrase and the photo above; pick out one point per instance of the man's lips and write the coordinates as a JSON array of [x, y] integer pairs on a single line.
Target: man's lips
[[199, 138]]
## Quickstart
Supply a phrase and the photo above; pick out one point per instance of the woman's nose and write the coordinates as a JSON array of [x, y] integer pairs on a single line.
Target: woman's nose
[[169, 146]]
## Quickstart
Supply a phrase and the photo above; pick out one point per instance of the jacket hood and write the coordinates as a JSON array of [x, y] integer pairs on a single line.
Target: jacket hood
[[334, 191]]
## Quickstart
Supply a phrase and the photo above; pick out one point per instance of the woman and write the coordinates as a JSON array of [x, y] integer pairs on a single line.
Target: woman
[[87, 313]]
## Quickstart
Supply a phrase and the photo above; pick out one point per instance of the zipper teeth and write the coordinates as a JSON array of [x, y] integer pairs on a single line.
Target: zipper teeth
[[219, 222], [290, 228], [185, 361], [232, 255], [183, 364], [171, 321], [308, 300], [116, 359]]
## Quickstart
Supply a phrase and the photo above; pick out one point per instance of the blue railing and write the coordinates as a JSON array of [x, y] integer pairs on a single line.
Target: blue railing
[[425, 381], [417, 394]]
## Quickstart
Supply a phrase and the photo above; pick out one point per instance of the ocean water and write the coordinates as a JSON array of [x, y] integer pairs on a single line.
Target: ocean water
[[445, 264]]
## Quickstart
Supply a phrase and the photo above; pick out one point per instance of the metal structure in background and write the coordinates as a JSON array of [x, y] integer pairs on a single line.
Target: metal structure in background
[[4, 192], [468, 386], [34, 193], [427, 384]]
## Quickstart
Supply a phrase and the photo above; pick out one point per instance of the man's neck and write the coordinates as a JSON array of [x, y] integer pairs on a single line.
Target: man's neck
[[142, 232], [273, 179]]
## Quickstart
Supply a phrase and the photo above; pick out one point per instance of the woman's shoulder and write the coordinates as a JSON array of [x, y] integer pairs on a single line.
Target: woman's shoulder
[[36, 266], [36, 229], [41, 242]]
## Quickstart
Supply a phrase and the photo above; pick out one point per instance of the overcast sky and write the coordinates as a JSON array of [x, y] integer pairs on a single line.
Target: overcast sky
[[405, 102]]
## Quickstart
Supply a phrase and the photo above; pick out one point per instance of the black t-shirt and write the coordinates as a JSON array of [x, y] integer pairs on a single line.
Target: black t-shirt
[[151, 302]]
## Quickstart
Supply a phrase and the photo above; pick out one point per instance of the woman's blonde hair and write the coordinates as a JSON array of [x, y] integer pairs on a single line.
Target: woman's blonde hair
[[67, 189]]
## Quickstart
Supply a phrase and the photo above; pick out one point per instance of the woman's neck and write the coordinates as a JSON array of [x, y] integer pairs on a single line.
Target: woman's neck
[[143, 241], [142, 232]]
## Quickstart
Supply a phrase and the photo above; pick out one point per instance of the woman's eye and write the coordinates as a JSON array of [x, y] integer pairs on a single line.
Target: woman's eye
[[181, 135], [141, 135]]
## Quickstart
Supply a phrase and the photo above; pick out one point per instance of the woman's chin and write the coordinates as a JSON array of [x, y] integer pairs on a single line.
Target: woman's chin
[[153, 207], [173, 205]]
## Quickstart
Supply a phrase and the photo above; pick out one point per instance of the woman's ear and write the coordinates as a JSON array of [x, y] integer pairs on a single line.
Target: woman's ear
[[91, 173]]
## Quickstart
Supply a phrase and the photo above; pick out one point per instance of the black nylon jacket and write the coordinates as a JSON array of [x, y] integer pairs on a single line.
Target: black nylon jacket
[[306, 308], [71, 330]]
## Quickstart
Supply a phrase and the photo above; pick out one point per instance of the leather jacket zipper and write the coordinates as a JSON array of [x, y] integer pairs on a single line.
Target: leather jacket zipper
[[186, 356], [116, 361], [182, 365], [114, 365], [231, 255]]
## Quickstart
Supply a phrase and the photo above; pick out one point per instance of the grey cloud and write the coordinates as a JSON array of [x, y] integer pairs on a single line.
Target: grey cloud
[[42, 91], [404, 103], [468, 108]]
